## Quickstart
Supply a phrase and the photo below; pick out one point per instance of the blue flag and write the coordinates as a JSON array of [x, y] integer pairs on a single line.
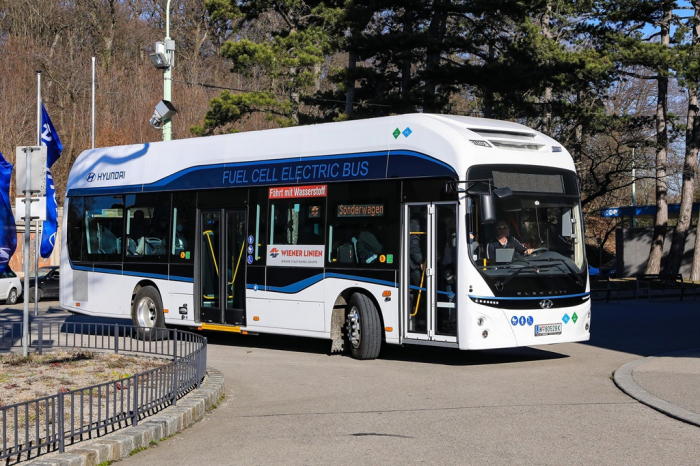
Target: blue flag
[[8, 230], [50, 139]]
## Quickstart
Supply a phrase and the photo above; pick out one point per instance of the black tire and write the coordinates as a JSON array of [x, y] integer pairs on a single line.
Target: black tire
[[147, 314], [30, 295], [368, 341], [11, 296]]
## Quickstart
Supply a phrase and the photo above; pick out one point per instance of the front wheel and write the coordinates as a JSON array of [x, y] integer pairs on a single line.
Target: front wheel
[[12, 297], [363, 328], [147, 313]]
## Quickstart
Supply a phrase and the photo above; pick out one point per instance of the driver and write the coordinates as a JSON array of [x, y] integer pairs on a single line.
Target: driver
[[505, 242]]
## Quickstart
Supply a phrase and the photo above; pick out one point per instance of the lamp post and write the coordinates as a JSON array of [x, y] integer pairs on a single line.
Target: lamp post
[[167, 73], [164, 59]]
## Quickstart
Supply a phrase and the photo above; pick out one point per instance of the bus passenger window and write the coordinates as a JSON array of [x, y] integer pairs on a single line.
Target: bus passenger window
[[182, 235], [103, 226], [297, 221]]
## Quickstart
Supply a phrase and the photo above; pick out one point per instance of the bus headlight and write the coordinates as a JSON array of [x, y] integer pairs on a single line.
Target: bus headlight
[[480, 321], [485, 333]]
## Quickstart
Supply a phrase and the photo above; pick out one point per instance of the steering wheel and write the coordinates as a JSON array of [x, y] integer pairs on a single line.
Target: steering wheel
[[538, 250]]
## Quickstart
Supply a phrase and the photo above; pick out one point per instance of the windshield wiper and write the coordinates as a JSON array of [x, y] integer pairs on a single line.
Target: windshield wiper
[[503, 283], [572, 272]]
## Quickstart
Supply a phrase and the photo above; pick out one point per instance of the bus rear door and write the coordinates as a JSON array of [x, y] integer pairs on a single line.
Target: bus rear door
[[222, 266]]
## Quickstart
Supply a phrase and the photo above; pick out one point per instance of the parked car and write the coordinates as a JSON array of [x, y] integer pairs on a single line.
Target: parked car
[[10, 285], [592, 271], [48, 283], [609, 269]]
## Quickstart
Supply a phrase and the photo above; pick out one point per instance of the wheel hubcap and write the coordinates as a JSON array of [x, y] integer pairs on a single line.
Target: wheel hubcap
[[353, 327], [146, 312]]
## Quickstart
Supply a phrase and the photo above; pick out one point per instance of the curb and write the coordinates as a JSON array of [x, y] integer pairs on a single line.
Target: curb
[[122, 443], [625, 381]]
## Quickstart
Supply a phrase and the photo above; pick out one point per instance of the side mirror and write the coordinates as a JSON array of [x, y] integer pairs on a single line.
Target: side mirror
[[488, 207]]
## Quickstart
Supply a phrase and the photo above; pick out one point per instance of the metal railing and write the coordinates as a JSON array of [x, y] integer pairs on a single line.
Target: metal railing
[[49, 424]]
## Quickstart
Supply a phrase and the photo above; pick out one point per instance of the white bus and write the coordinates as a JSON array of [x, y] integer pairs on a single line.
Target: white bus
[[414, 229]]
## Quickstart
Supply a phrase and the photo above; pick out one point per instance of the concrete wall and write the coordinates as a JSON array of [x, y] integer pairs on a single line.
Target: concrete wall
[[633, 244]]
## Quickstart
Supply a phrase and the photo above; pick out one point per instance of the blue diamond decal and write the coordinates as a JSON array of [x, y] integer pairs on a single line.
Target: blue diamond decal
[[407, 132], [566, 318]]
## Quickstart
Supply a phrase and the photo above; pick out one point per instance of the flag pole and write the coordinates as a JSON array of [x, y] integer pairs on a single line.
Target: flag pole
[[28, 223], [36, 231], [93, 102], [36, 269]]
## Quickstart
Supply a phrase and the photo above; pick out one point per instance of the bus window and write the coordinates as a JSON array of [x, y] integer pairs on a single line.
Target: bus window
[[258, 224], [75, 231], [297, 221], [183, 226], [147, 223], [103, 227], [364, 225]]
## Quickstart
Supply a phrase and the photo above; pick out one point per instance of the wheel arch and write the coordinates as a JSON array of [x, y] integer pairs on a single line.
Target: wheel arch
[[340, 307], [143, 284]]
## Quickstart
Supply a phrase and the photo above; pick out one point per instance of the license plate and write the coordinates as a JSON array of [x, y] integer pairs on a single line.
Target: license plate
[[547, 329]]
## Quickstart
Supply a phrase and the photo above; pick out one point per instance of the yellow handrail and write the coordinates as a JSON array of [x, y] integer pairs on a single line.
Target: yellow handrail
[[236, 270], [419, 292], [213, 256]]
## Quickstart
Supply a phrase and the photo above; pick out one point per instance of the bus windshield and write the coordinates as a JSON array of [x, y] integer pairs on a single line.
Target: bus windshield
[[528, 234]]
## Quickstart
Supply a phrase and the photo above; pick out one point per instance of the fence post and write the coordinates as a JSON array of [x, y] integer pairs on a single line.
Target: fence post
[[175, 364], [41, 337], [135, 386], [116, 338], [60, 425]]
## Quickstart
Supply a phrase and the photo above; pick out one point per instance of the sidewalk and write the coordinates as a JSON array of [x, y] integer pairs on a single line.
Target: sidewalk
[[669, 383]]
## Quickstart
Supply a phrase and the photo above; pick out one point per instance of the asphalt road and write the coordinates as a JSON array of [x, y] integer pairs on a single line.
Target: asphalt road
[[289, 402]]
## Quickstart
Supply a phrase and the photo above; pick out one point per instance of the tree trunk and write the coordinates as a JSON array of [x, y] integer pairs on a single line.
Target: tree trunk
[[407, 62], [547, 100], [488, 97], [661, 221], [692, 143], [436, 35], [350, 84]]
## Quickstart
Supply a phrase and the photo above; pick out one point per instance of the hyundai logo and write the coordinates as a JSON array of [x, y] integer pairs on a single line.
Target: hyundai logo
[[90, 177], [546, 304]]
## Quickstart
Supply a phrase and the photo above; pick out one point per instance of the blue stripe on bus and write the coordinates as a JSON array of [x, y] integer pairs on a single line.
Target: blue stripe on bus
[[132, 274], [171, 182], [306, 283], [518, 298]]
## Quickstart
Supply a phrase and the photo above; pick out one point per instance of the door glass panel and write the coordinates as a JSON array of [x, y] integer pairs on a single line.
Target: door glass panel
[[446, 276], [210, 257], [416, 250], [235, 259]]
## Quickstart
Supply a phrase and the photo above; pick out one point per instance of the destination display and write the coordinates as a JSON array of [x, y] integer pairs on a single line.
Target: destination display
[[361, 210], [293, 192]]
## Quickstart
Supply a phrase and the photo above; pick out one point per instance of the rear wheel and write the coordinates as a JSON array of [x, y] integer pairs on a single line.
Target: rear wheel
[[147, 313], [30, 295], [11, 297], [363, 328]]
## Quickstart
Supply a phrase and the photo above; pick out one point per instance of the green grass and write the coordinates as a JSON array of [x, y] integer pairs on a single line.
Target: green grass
[[138, 450]]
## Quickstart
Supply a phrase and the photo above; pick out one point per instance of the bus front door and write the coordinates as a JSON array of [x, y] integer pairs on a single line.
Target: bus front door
[[430, 272], [222, 266]]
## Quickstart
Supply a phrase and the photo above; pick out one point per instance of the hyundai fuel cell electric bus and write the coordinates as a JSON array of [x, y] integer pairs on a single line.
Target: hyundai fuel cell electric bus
[[414, 229]]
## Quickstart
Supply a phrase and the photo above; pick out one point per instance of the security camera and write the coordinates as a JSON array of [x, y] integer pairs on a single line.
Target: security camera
[[164, 110], [159, 57]]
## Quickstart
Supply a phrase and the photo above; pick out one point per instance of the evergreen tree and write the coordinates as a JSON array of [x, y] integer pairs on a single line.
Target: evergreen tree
[[289, 57], [623, 24]]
